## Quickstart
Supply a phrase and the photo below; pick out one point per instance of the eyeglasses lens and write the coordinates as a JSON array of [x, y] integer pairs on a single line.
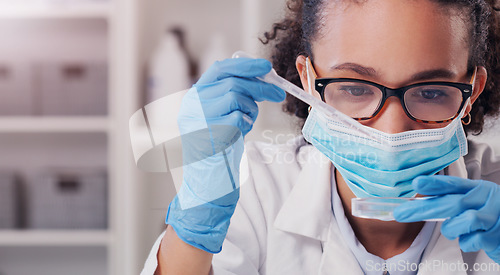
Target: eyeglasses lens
[[433, 102]]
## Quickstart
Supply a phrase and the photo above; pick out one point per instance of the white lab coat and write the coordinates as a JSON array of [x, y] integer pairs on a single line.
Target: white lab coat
[[283, 223]]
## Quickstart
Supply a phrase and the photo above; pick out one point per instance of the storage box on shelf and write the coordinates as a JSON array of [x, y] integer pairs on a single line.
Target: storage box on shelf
[[53, 89], [72, 89], [67, 199]]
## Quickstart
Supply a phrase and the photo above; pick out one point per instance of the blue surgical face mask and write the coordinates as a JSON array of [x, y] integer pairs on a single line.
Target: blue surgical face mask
[[381, 164]]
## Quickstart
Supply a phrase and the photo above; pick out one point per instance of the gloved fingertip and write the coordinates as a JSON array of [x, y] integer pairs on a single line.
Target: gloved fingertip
[[467, 247], [420, 182], [266, 63], [247, 127], [261, 65], [400, 214], [449, 237], [427, 185], [270, 92], [446, 231], [280, 95]]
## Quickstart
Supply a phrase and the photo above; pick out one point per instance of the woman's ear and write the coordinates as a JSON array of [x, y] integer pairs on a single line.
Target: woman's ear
[[300, 63], [479, 84]]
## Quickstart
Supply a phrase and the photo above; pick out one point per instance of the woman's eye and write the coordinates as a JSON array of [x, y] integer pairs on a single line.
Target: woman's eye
[[356, 91], [431, 94]]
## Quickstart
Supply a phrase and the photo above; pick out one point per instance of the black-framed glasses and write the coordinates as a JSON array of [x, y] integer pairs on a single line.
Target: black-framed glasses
[[427, 102]]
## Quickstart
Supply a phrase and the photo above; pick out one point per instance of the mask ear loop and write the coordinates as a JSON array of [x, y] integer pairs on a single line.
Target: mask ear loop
[[309, 79]]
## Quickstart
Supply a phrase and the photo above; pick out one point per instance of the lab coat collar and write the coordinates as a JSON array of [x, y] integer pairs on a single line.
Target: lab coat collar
[[307, 211], [337, 256]]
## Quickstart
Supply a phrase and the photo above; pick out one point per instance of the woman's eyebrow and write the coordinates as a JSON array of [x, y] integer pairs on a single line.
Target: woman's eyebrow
[[371, 72], [432, 74], [359, 69]]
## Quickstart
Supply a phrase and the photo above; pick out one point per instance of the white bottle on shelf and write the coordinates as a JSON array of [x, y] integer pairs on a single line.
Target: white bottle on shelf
[[169, 69]]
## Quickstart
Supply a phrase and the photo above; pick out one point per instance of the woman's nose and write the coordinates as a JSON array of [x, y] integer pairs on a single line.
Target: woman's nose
[[392, 118]]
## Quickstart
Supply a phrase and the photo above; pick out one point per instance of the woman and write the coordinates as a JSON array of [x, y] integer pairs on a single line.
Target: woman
[[440, 60]]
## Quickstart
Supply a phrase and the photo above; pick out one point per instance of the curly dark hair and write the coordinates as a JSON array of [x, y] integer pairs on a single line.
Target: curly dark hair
[[290, 39]]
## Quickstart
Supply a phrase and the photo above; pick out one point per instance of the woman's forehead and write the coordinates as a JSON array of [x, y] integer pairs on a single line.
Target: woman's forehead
[[391, 34]]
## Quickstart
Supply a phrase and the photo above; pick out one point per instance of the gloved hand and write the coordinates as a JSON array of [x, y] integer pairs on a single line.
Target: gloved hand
[[214, 117], [471, 206]]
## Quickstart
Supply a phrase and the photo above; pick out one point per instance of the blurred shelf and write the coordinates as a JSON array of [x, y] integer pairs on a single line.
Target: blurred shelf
[[53, 124], [54, 238], [53, 11]]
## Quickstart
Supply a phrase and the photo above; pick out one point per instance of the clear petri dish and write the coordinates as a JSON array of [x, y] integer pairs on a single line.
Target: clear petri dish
[[380, 208]]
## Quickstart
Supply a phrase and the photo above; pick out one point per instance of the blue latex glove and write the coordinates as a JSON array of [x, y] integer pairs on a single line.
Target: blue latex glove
[[214, 117], [471, 206]]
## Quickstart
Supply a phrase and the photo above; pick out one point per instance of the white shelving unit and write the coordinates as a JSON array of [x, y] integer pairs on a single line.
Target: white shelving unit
[[88, 251]]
